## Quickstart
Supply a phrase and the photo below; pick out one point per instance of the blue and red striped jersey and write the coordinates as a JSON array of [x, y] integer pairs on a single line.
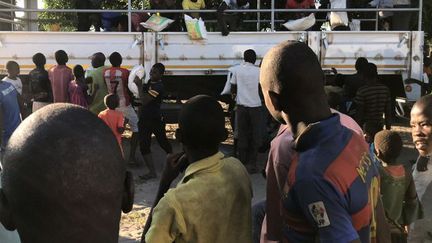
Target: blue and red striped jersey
[[333, 186]]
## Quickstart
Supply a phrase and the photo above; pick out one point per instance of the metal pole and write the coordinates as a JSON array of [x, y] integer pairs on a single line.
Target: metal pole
[[420, 15], [272, 14], [258, 15], [129, 16], [376, 20]]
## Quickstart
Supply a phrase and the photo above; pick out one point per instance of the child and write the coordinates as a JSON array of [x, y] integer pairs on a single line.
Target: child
[[114, 119], [13, 70], [40, 85], [398, 191], [150, 117], [60, 76], [78, 88]]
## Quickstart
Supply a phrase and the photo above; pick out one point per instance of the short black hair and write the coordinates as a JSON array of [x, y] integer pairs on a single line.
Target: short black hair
[[334, 99], [360, 64], [78, 71], [249, 56], [160, 67], [371, 71], [11, 64], [64, 178], [39, 59], [98, 59], [202, 123], [389, 144], [372, 128], [111, 101], [115, 59], [61, 57]]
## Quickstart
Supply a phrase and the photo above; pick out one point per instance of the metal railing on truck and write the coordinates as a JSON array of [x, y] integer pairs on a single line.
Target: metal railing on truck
[[12, 9]]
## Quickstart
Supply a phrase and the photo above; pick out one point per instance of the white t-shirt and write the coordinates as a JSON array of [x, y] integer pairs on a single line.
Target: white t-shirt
[[15, 82], [246, 77]]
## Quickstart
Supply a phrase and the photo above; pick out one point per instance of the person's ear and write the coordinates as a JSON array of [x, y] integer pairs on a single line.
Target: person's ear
[[5, 213], [128, 193], [275, 100]]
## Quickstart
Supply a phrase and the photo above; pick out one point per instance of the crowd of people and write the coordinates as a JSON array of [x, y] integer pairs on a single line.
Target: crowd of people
[[110, 21], [331, 176]]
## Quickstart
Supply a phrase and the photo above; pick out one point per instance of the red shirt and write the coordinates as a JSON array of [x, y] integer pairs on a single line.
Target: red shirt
[[300, 4], [60, 76], [114, 120]]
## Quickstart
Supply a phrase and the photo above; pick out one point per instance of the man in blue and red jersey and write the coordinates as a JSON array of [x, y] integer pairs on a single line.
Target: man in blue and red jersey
[[332, 187], [116, 79]]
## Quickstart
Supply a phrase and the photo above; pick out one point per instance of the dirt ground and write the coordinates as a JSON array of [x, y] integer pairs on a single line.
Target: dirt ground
[[132, 224]]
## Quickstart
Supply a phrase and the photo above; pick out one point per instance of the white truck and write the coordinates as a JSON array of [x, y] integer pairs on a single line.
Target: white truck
[[201, 66]]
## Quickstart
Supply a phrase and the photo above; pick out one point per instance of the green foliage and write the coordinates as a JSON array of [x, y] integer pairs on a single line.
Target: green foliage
[[67, 21]]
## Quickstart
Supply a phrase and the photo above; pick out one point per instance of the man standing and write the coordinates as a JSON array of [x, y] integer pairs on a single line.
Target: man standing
[[373, 100], [332, 187], [98, 88], [116, 79], [245, 81]]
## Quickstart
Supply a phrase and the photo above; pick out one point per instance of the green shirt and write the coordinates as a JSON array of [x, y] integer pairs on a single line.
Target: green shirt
[[98, 102], [212, 203]]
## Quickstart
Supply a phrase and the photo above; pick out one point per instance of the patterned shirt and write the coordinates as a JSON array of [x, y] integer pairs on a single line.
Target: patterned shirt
[[375, 100], [333, 186], [116, 80]]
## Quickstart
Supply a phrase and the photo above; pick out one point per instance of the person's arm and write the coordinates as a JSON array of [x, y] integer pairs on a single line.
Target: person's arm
[[121, 125], [273, 197], [221, 20], [21, 105], [174, 164], [144, 97], [388, 112], [324, 208], [94, 90]]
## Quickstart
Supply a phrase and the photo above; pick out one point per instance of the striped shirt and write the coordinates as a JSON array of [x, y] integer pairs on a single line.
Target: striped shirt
[[373, 102]]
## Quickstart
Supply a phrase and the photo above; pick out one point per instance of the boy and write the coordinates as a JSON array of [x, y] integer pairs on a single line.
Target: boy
[[150, 117], [78, 186], [60, 76], [13, 70], [114, 119], [40, 85], [98, 88], [398, 191], [212, 202], [116, 79]]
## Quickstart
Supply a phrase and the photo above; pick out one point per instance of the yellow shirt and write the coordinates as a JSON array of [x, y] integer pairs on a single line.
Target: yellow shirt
[[212, 203], [188, 4]]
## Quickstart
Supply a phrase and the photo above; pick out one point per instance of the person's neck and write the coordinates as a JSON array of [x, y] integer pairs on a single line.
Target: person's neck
[[300, 123], [200, 154]]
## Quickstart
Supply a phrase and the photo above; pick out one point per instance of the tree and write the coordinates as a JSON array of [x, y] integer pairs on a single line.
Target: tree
[[68, 21]]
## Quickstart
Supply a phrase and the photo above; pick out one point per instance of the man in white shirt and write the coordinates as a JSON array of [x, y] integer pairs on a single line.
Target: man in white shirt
[[13, 70], [245, 82]]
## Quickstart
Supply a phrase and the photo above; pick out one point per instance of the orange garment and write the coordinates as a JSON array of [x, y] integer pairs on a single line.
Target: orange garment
[[114, 120]]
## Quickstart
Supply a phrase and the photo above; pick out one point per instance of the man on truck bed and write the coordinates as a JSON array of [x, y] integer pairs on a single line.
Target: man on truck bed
[[60, 76]]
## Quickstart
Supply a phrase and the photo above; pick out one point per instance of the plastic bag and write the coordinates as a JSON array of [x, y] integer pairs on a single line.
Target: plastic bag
[[195, 28], [301, 24], [137, 71], [157, 23]]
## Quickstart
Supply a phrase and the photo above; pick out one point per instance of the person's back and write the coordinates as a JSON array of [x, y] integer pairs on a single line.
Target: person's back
[[246, 77], [116, 80], [40, 85], [78, 89], [373, 100], [98, 88], [212, 202], [398, 190], [332, 186], [57, 186], [60, 75], [10, 110], [112, 118]]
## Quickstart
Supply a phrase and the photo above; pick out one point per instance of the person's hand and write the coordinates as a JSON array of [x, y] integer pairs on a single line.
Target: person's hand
[[137, 81], [174, 165], [422, 163]]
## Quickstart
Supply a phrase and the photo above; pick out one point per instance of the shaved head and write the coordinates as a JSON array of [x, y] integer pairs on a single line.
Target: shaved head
[[293, 84], [63, 170]]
